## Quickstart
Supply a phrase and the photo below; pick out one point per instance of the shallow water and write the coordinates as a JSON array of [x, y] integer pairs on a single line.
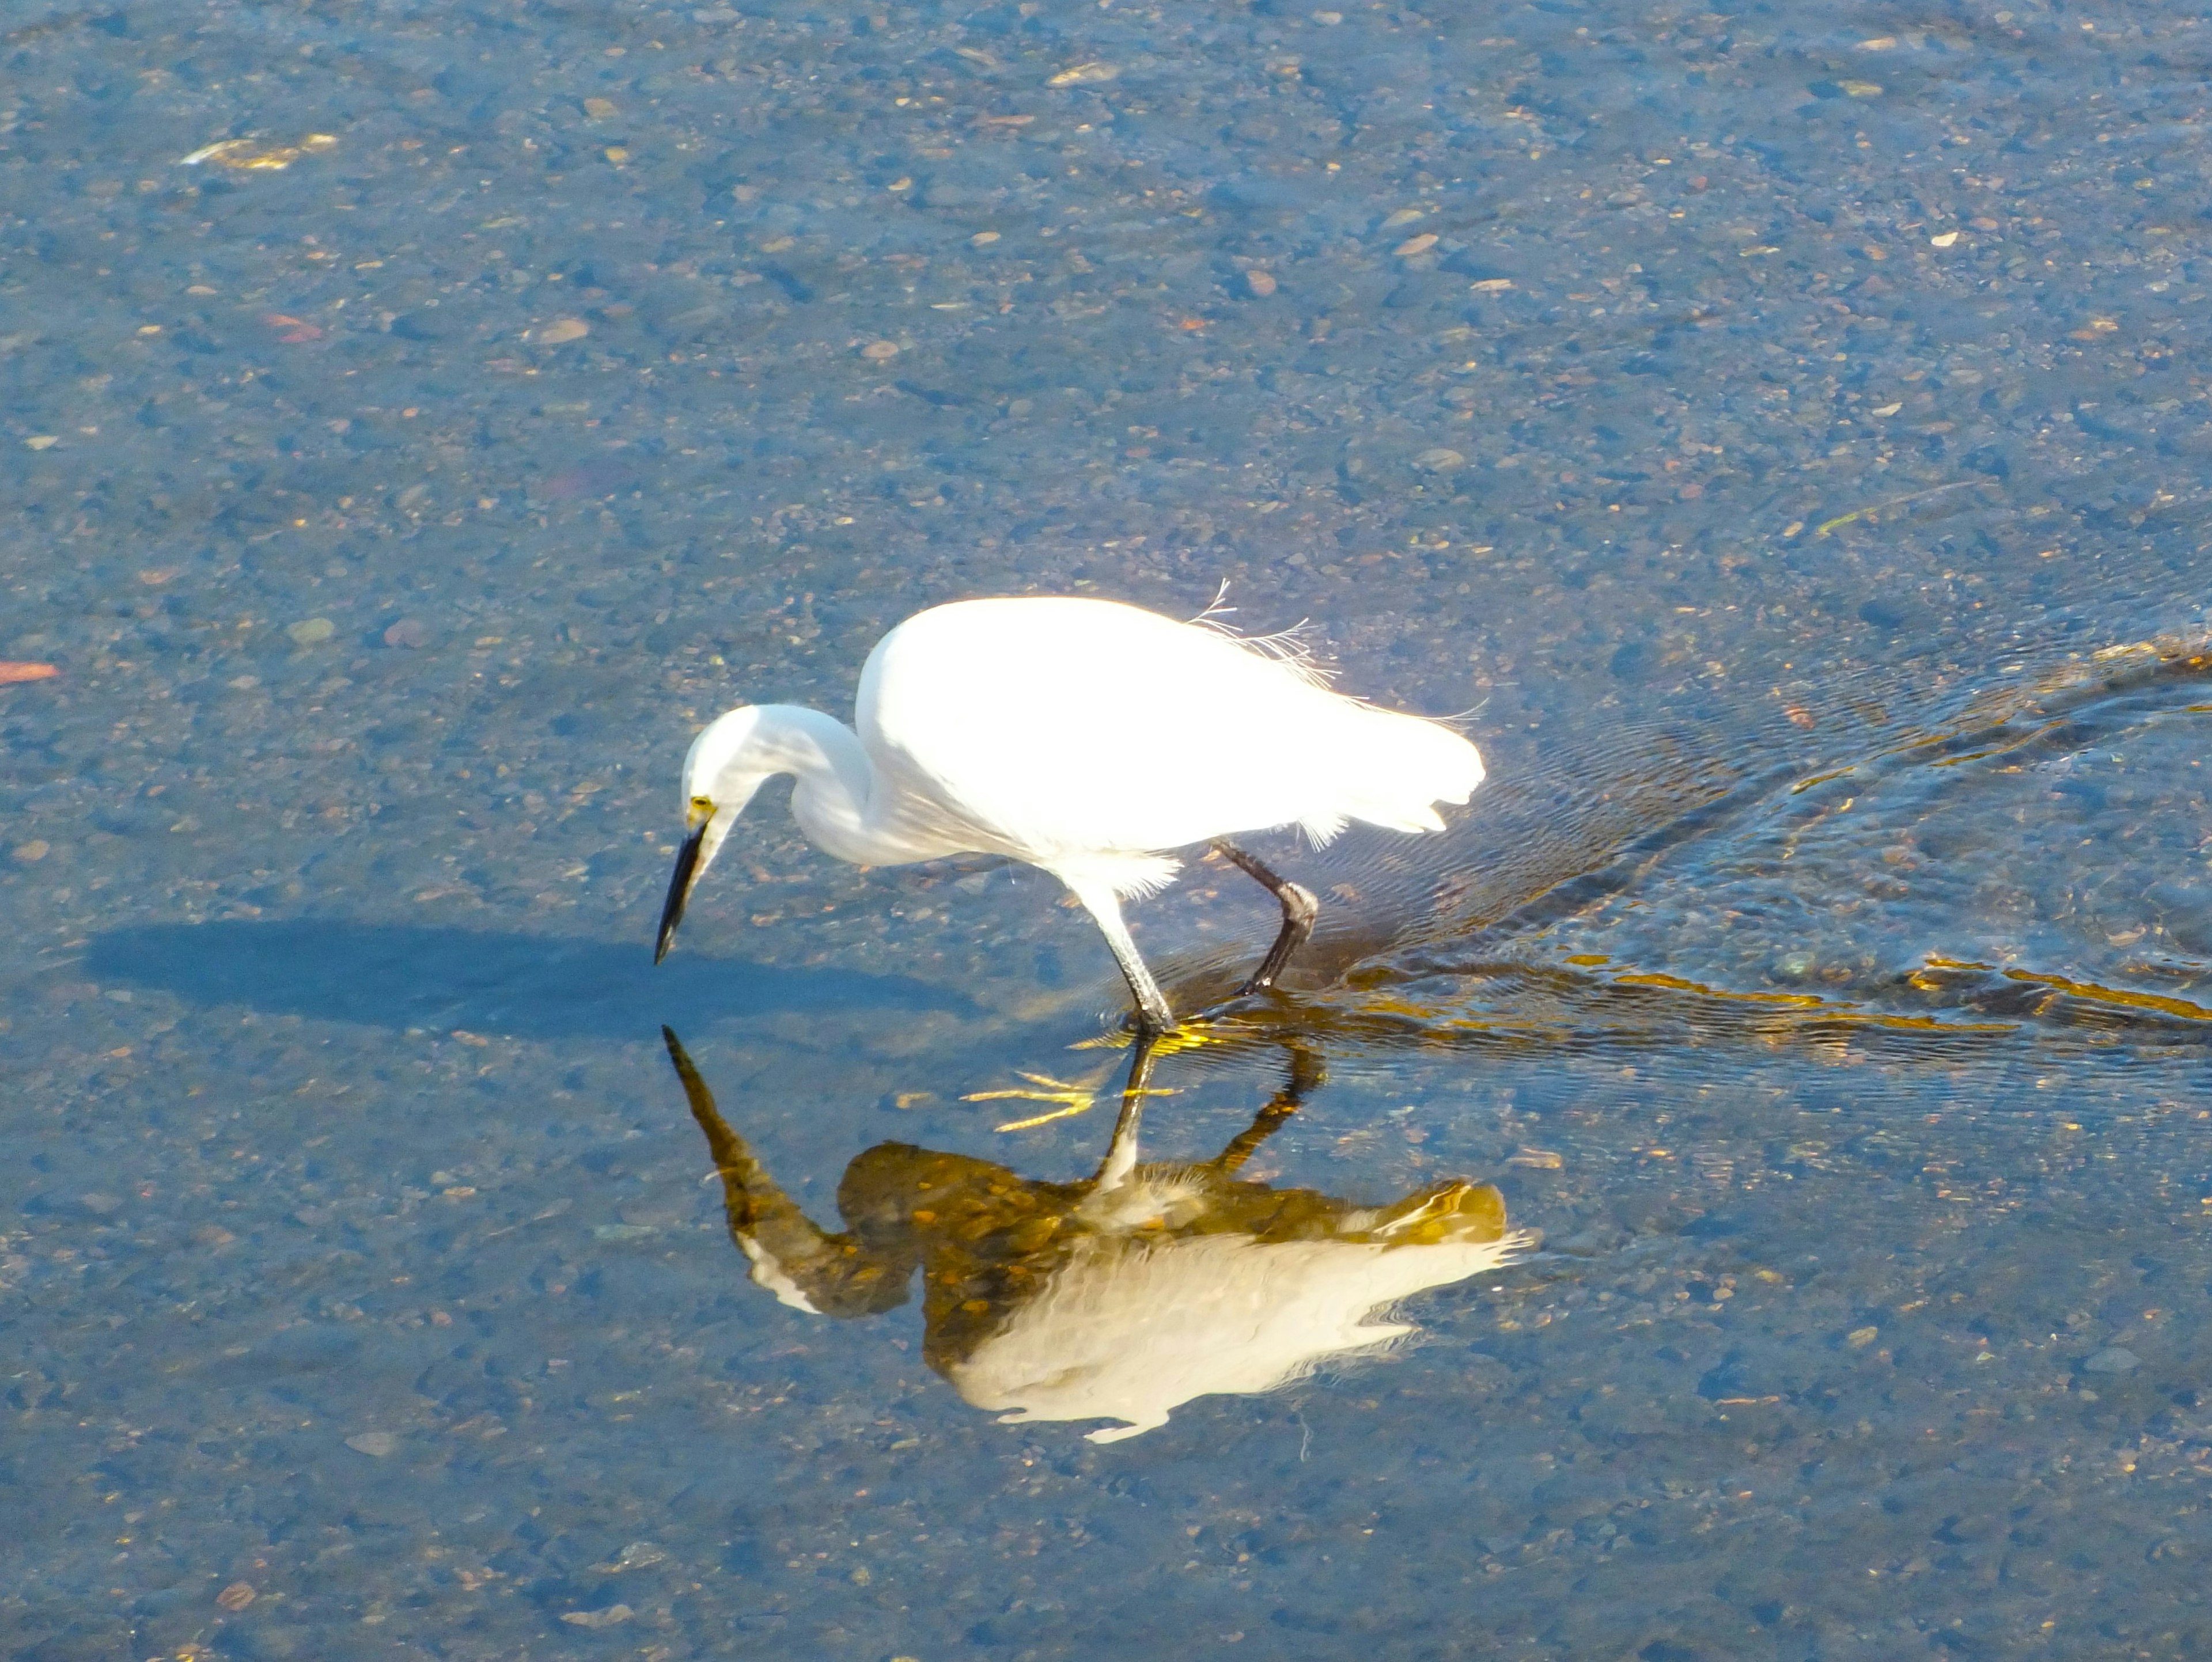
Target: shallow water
[[1786, 448]]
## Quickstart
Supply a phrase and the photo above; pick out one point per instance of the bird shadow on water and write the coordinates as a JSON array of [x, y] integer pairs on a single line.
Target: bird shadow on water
[[523, 986]]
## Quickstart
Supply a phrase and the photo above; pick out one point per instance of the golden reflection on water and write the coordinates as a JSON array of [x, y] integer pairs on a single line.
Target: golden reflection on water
[[249, 155], [1120, 1297], [1735, 843], [1941, 1011]]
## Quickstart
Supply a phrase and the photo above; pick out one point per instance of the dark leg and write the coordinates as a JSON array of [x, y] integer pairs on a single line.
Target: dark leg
[[1122, 1155], [1153, 1014], [1299, 911], [1306, 1077]]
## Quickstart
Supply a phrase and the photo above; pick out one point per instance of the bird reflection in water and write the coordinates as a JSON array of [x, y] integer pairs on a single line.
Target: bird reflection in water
[[1119, 1298]]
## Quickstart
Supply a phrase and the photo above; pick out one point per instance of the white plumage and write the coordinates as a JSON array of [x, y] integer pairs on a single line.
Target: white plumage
[[1132, 1326], [1085, 737]]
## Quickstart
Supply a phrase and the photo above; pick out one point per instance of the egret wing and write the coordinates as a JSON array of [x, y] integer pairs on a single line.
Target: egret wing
[[1065, 726]]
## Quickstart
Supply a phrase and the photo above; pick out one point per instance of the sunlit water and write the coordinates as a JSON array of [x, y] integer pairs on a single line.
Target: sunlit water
[[1781, 429]]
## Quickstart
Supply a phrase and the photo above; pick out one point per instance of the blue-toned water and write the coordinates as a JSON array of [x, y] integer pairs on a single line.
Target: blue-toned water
[[1783, 429]]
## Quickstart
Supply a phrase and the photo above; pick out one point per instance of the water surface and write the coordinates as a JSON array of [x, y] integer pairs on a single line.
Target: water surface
[[1781, 429]]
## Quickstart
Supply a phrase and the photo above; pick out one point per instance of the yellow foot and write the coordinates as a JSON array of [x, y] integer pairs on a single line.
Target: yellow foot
[[1194, 1034], [1073, 1099], [1043, 1087]]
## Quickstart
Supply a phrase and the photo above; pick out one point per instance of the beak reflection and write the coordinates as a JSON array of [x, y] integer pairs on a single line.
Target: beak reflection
[[1120, 1298], [679, 889]]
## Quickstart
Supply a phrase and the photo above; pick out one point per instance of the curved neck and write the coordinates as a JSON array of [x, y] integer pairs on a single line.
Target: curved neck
[[837, 780]]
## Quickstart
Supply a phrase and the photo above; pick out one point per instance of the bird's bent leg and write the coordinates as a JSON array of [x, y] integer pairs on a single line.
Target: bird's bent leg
[[1299, 911], [1153, 1014], [1306, 1077]]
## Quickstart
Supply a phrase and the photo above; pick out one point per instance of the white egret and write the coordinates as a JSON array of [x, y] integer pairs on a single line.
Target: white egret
[[1087, 737]]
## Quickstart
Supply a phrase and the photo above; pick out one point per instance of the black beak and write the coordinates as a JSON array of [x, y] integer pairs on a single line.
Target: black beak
[[679, 890]]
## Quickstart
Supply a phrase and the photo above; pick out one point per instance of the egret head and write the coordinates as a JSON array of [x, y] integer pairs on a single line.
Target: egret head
[[720, 774]]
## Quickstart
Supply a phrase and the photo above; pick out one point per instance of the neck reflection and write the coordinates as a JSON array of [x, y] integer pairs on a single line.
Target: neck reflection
[[1117, 1298]]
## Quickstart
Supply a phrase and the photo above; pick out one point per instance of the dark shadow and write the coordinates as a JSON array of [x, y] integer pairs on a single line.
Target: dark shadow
[[524, 986]]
